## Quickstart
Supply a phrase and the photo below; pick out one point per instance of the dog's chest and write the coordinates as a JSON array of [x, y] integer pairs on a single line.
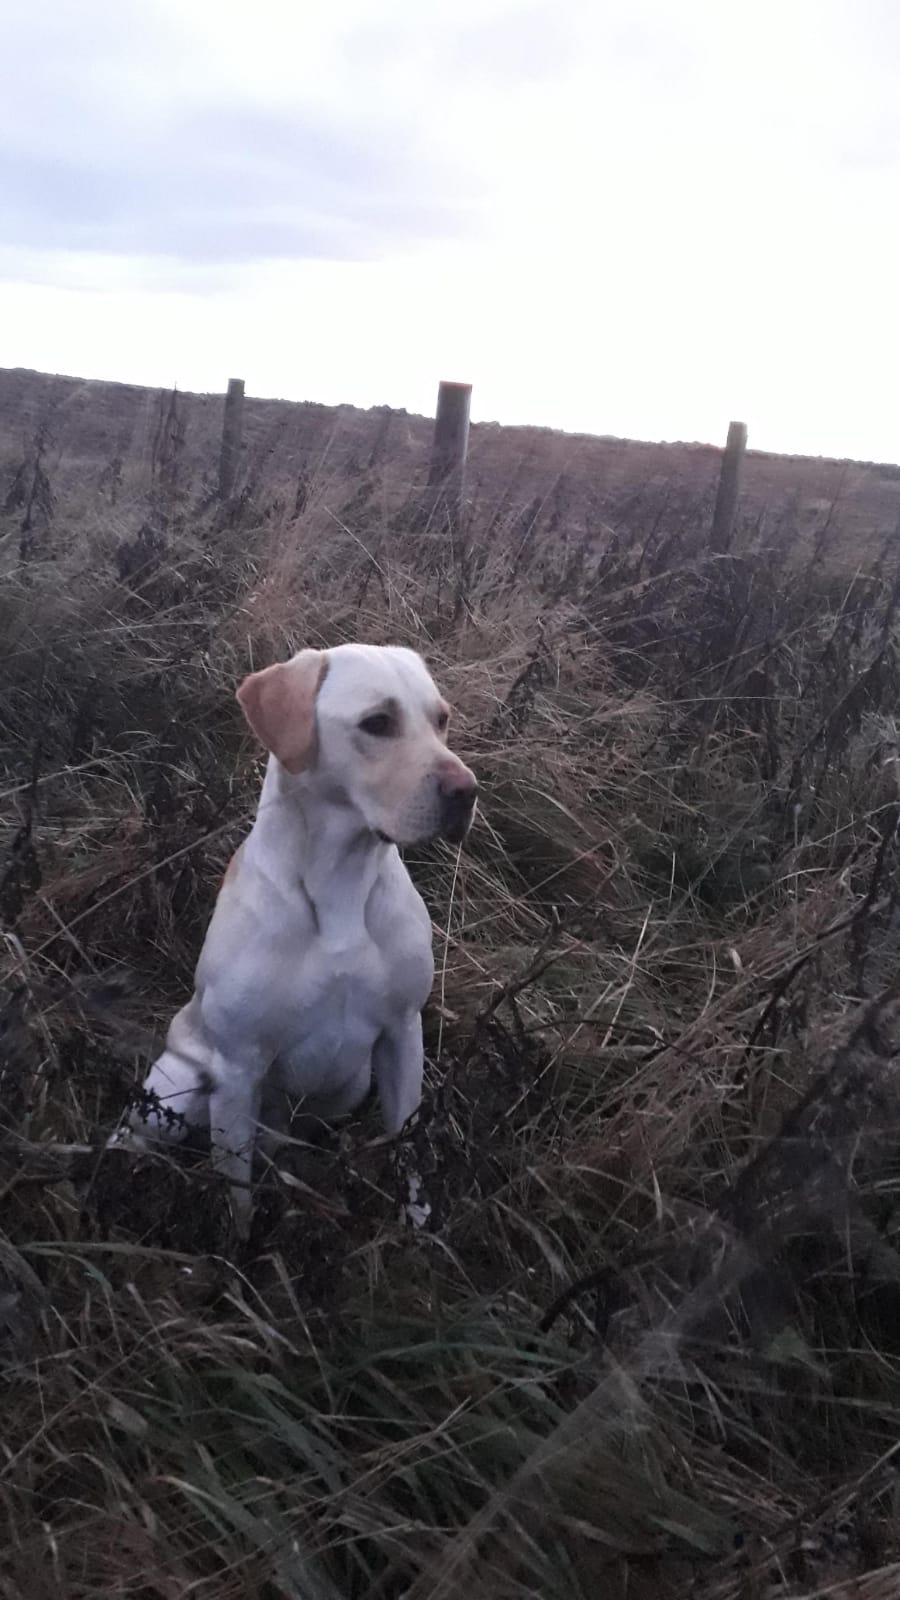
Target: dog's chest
[[339, 1003], [337, 1006], [369, 955], [318, 986]]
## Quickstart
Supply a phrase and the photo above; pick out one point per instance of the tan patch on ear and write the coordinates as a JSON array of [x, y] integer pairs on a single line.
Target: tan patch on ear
[[280, 705]]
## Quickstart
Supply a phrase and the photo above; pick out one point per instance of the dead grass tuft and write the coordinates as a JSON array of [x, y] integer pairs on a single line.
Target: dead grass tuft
[[648, 1343]]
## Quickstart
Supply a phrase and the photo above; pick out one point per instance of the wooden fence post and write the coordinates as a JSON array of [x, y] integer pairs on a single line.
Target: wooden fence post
[[729, 488], [447, 468], [232, 430]]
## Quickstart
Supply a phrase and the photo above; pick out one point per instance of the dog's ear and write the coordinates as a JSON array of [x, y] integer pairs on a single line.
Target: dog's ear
[[280, 705]]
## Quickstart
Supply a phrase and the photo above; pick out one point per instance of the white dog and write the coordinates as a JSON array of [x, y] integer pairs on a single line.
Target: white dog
[[318, 961]]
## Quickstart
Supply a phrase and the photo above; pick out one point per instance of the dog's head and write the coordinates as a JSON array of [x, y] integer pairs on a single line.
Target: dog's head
[[368, 722]]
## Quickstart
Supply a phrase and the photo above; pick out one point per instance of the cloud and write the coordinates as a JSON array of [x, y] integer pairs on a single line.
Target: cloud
[[222, 186], [193, 139], [122, 137]]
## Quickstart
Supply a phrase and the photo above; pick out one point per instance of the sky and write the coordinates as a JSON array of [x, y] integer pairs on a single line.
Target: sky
[[633, 217]]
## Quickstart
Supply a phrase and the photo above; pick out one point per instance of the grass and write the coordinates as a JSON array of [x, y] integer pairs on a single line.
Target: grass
[[647, 1344]]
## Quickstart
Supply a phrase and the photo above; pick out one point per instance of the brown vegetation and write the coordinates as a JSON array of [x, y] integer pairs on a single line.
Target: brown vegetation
[[647, 1343]]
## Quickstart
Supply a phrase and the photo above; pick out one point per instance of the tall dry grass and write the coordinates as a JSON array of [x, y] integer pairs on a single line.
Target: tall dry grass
[[647, 1343]]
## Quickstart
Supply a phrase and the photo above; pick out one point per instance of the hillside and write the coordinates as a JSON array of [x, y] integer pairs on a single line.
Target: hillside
[[101, 437]]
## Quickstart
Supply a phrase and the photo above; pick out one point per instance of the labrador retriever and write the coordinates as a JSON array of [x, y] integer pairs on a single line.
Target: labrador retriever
[[318, 960]]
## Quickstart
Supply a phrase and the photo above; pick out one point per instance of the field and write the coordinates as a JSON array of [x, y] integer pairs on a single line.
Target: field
[[648, 1343]]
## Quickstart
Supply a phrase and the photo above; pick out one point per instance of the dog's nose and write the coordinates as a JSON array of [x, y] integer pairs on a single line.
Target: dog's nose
[[458, 784], [459, 792], [461, 799]]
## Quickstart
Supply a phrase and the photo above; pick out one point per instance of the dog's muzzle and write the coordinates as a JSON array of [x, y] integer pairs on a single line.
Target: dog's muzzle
[[459, 795]]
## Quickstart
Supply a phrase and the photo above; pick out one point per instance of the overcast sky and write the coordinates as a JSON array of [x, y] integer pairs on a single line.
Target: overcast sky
[[640, 217]]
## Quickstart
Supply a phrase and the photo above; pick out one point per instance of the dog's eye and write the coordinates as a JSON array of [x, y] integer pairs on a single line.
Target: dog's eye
[[443, 721], [379, 725]]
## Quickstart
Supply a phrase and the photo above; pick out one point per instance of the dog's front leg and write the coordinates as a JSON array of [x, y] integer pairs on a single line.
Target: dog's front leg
[[234, 1104], [174, 1098], [397, 1063]]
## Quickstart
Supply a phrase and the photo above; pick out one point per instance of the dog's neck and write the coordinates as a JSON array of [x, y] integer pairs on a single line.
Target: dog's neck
[[305, 837]]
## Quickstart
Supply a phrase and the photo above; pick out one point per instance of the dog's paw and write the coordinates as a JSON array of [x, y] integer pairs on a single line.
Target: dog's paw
[[416, 1208], [128, 1138]]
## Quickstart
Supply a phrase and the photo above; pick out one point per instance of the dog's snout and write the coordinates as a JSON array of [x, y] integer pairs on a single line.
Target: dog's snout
[[459, 792], [458, 783], [461, 799]]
